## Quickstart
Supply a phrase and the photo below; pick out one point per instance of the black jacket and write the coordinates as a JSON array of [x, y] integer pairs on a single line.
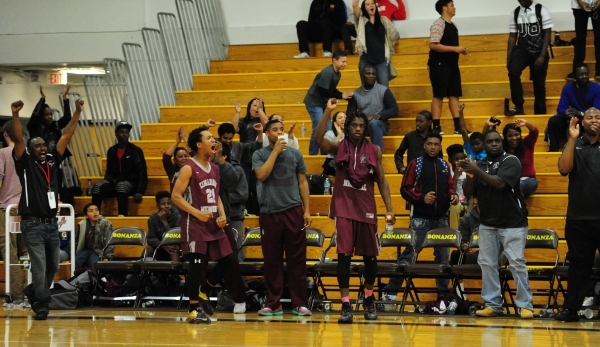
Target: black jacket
[[131, 168], [50, 133]]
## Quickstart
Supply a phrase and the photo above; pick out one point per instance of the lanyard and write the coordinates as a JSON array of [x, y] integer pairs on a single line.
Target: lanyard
[[46, 174]]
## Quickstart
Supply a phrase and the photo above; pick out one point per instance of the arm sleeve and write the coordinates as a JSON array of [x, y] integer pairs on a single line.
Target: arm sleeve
[[390, 106], [293, 143], [400, 13], [36, 117], [352, 107], [512, 25], [510, 171], [301, 166], [399, 155], [168, 166], [154, 229], [66, 118], [142, 174], [408, 183], [564, 102], [546, 19], [228, 177], [328, 93], [436, 31], [240, 193], [596, 102], [531, 138]]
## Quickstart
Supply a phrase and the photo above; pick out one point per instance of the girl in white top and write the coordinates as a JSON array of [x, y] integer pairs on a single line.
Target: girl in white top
[[292, 141]]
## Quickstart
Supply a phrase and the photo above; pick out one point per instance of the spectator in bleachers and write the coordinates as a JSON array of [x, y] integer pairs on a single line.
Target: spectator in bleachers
[[325, 20], [580, 160], [503, 215], [523, 149], [377, 102], [41, 124], [39, 176], [375, 40], [161, 221], [283, 192], [429, 187], [385, 7], [92, 235], [582, 11], [126, 172], [444, 73], [322, 89], [10, 192], [202, 221], [290, 139], [575, 98], [531, 36], [358, 168], [414, 141], [472, 144], [456, 153], [175, 157], [332, 138]]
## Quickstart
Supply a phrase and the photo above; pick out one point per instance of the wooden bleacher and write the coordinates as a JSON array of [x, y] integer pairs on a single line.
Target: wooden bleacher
[[271, 72]]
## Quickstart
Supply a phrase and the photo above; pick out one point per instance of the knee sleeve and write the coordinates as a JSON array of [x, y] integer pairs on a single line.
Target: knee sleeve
[[124, 187], [343, 270], [370, 269], [97, 186]]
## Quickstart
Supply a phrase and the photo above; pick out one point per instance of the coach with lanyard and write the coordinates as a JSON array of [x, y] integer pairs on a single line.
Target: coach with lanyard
[[38, 173]]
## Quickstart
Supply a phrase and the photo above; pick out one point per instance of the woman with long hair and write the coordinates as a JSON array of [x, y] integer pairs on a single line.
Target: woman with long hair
[[335, 135], [522, 148]]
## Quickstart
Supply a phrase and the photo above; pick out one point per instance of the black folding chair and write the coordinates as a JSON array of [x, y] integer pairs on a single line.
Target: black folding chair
[[467, 271]]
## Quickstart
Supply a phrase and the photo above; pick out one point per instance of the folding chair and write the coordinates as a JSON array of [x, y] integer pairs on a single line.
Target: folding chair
[[467, 271], [561, 274], [125, 236], [252, 268], [441, 237], [149, 268], [537, 240], [397, 238], [314, 238]]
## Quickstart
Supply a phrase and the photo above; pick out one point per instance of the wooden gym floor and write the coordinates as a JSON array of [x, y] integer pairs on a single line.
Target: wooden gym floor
[[160, 327]]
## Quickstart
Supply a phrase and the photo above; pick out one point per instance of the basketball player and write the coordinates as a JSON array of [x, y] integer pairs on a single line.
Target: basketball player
[[358, 167], [196, 194]]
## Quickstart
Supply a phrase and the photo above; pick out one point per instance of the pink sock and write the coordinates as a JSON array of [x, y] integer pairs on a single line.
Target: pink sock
[[368, 292], [346, 299]]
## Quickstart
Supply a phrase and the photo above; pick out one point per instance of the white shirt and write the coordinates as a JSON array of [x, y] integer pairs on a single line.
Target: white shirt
[[575, 4]]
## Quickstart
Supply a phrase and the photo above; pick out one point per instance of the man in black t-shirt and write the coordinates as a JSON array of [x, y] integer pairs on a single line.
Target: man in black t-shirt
[[503, 215], [38, 173]]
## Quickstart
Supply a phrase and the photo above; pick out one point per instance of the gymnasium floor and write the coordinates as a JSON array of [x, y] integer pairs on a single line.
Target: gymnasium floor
[[161, 327]]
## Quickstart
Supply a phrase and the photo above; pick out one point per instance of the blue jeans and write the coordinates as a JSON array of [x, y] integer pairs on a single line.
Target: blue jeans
[[377, 129], [528, 186], [442, 254], [316, 113], [86, 258], [43, 244], [491, 243], [382, 70]]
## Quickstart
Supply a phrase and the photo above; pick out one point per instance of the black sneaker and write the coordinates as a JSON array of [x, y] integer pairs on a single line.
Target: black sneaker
[[567, 316], [570, 77], [438, 130], [41, 315], [346, 317], [369, 306], [204, 302], [197, 316], [515, 112]]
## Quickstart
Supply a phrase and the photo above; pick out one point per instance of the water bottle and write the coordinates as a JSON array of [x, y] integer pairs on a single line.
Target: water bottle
[[88, 191], [303, 130], [587, 313], [327, 187], [149, 303], [452, 307]]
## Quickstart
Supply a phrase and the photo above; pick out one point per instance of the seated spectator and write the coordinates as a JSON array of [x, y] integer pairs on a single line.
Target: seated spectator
[[455, 153], [333, 136], [175, 157], [514, 144], [290, 139], [126, 172], [377, 102], [325, 20], [414, 141], [165, 219], [575, 98], [91, 236], [385, 8], [472, 144]]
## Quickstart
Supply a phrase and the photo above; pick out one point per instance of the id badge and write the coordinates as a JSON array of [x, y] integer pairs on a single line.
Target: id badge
[[51, 199]]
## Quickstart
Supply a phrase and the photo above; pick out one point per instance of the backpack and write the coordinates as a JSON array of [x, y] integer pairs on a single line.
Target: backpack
[[538, 15], [440, 305]]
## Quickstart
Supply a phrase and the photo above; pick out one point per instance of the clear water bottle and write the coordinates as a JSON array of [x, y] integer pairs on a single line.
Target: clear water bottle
[[88, 191], [452, 307], [303, 130], [327, 187]]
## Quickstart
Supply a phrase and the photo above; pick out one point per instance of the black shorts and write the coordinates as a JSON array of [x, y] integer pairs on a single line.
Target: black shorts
[[445, 80]]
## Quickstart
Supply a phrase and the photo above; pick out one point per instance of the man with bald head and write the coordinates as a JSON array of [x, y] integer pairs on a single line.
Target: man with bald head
[[580, 160]]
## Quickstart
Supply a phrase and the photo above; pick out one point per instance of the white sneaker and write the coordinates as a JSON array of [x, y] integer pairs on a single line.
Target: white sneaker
[[588, 301], [327, 54], [239, 307], [302, 55]]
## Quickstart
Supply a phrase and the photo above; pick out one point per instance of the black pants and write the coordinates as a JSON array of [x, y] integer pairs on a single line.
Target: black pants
[[324, 31], [557, 131], [581, 29], [583, 239], [520, 58], [348, 31]]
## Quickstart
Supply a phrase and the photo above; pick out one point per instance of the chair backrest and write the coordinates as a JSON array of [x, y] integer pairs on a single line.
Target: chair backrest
[[127, 236], [474, 242], [442, 237], [171, 238], [314, 237], [332, 243], [253, 238], [399, 237], [541, 238]]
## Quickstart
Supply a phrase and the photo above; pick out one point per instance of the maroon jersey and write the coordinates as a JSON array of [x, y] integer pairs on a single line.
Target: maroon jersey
[[203, 194], [355, 202]]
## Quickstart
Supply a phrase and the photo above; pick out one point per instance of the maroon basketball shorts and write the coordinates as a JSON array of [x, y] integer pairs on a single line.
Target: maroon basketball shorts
[[214, 250], [356, 238]]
